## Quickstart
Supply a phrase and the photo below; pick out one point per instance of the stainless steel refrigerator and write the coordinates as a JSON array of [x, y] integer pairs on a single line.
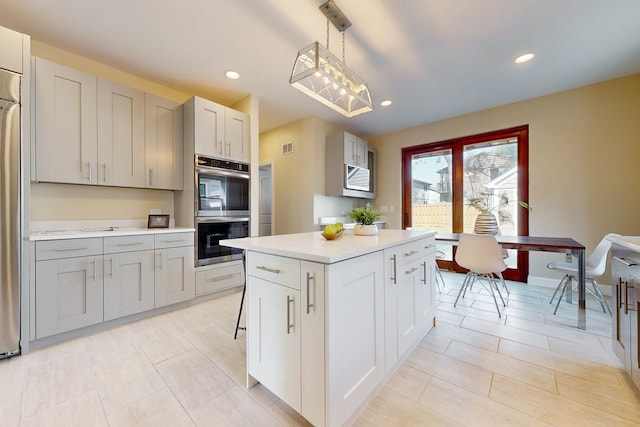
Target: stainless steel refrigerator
[[9, 213]]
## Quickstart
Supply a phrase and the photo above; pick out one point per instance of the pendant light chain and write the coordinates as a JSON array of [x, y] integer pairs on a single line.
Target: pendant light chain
[[327, 33], [343, 61]]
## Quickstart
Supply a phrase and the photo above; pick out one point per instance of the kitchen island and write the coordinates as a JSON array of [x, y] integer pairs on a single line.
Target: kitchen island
[[329, 321]]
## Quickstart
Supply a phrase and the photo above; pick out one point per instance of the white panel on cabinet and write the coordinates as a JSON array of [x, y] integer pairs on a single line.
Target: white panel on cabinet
[[65, 122], [11, 50], [164, 143], [121, 141]]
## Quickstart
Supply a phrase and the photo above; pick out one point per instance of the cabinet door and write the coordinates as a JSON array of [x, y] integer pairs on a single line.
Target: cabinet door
[[128, 283], [163, 143], [11, 50], [273, 338], [426, 288], [355, 317], [208, 123], [65, 122], [312, 342], [174, 275], [350, 149], [69, 294], [121, 145], [236, 135], [408, 288]]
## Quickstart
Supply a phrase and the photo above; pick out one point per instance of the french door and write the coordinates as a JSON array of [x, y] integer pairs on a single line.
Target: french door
[[443, 181]]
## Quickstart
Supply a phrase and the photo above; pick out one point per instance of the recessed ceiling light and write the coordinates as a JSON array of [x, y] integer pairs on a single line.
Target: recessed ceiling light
[[386, 103], [231, 74], [524, 58]]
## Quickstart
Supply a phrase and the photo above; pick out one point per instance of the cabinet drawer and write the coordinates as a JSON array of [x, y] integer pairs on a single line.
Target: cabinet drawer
[[174, 240], [219, 278], [68, 248], [407, 253], [276, 269], [119, 244], [427, 246]]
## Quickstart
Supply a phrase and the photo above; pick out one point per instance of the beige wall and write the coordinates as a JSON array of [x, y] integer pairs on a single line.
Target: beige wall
[[584, 146], [50, 202], [299, 177]]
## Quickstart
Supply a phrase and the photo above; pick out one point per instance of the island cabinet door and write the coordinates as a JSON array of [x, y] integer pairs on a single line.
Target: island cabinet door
[[312, 282], [273, 338], [402, 277], [426, 287], [355, 334]]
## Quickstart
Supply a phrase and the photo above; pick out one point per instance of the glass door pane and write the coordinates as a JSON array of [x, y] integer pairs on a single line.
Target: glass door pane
[[490, 184], [431, 194]]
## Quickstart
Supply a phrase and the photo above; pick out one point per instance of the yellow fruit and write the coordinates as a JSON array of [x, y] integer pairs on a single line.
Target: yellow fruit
[[340, 226], [330, 229]]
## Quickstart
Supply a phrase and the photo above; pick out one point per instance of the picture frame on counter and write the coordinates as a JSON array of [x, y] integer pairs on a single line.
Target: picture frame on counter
[[158, 221]]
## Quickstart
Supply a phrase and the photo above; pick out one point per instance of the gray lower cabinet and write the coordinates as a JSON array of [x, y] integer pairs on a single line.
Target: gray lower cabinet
[[128, 275], [81, 282], [69, 286], [174, 275]]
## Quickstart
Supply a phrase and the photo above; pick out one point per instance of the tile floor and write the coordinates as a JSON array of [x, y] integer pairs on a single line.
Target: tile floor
[[474, 369]]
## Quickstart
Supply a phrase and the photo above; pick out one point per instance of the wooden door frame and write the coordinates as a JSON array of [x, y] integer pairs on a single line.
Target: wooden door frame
[[456, 146]]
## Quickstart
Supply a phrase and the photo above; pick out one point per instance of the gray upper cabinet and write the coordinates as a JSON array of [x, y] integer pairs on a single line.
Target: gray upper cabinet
[[65, 122], [110, 134], [216, 130], [121, 141], [164, 147], [12, 44]]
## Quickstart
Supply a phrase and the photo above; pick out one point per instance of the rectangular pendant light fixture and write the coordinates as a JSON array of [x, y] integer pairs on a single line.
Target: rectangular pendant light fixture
[[321, 75]]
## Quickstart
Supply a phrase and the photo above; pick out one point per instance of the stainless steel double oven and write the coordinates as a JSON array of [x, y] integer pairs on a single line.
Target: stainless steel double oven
[[222, 207]]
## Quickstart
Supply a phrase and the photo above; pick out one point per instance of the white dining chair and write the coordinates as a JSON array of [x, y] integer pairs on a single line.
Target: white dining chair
[[439, 279], [594, 267], [481, 255]]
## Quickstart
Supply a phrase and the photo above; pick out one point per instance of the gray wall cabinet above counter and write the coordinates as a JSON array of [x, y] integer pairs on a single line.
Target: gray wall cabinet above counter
[[110, 134]]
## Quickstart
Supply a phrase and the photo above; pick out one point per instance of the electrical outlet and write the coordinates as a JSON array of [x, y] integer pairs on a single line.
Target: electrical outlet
[[384, 208]]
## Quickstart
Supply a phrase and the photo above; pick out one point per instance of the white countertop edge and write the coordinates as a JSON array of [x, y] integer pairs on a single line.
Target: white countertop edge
[[631, 242], [79, 234], [313, 247]]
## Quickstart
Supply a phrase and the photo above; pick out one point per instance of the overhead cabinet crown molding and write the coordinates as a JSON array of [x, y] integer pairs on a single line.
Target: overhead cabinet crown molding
[[111, 134]]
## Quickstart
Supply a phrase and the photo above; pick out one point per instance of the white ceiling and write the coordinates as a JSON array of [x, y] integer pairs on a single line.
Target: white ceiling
[[434, 58]]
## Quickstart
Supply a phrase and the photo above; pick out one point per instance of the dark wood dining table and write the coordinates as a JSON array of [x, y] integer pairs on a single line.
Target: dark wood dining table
[[544, 244]]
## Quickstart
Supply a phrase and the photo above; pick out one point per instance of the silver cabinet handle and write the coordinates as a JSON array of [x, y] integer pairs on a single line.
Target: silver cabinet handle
[[394, 279], [130, 244], [289, 324], [410, 253], [429, 246], [73, 248], [269, 270], [151, 176], [159, 254], [626, 261], [309, 279], [228, 276], [104, 172], [174, 240], [424, 269], [413, 270]]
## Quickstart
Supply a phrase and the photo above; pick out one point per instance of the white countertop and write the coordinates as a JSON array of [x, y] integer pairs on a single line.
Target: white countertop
[[57, 230], [631, 242], [313, 247]]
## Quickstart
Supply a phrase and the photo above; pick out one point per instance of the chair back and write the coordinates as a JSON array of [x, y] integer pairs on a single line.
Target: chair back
[[480, 253], [597, 261]]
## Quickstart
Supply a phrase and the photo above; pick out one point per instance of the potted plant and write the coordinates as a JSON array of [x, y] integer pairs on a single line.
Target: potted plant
[[365, 218]]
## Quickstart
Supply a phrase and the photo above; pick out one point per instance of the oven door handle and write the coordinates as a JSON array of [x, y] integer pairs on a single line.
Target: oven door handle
[[218, 219]]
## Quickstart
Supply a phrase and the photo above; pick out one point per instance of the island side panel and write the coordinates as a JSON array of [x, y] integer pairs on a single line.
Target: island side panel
[[355, 334]]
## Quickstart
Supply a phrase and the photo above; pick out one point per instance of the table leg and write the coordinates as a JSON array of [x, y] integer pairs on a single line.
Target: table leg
[[582, 313], [569, 295]]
